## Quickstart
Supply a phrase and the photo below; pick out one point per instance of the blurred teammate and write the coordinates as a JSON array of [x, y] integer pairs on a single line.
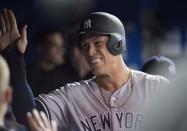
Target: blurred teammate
[[5, 99], [160, 65], [50, 70], [169, 107], [34, 118]]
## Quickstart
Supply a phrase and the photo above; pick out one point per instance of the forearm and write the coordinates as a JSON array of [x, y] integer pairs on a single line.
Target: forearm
[[23, 100]]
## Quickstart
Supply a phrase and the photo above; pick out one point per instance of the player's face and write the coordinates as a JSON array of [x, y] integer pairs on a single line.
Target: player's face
[[97, 54], [55, 49]]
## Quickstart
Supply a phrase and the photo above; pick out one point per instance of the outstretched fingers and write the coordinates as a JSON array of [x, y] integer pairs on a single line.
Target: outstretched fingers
[[38, 122], [6, 19], [12, 19], [2, 24]]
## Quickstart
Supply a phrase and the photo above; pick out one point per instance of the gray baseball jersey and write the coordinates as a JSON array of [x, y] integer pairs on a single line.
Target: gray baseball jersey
[[84, 106]]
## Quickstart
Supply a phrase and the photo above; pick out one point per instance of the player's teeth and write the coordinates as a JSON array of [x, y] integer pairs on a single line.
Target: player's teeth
[[96, 60]]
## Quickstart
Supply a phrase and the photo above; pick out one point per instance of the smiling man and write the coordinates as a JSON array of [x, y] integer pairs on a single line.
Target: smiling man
[[113, 100]]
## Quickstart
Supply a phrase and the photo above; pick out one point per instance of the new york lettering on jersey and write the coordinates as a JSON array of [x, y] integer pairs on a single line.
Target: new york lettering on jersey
[[122, 120]]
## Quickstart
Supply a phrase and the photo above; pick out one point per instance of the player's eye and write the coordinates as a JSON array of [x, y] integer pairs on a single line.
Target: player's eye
[[98, 43], [84, 46]]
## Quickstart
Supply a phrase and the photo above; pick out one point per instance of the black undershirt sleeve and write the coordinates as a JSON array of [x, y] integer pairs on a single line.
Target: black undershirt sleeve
[[23, 99]]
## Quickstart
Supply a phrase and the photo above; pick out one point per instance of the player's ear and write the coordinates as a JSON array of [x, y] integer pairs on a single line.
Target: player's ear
[[8, 95]]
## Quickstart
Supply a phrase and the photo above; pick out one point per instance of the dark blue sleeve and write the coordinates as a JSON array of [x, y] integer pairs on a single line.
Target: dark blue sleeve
[[23, 99]]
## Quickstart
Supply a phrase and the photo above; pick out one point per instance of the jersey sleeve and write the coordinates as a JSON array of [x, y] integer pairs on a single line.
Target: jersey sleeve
[[55, 104]]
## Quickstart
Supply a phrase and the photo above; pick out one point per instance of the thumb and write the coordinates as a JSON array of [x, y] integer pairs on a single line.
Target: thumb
[[24, 33], [22, 42]]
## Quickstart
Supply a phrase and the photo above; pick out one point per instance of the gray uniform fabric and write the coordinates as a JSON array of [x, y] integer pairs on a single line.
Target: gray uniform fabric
[[83, 106]]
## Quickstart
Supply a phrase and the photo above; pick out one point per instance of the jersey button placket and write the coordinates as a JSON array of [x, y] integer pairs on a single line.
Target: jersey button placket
[[113, 100]]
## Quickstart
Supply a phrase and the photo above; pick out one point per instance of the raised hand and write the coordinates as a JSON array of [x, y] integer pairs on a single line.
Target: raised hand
[[9, 32], [8, 29], [39, 122]]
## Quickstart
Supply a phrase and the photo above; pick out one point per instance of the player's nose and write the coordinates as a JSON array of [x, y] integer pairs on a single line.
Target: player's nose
[[91, 50]]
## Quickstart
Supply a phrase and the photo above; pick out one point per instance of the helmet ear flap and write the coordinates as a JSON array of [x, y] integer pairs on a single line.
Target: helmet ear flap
[[116, 45]]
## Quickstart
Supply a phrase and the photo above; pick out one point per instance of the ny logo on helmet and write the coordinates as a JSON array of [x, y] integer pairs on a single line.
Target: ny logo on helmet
[[87, 24]]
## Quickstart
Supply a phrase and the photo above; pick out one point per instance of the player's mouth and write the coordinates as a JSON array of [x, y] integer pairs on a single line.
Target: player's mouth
[[95, 61]]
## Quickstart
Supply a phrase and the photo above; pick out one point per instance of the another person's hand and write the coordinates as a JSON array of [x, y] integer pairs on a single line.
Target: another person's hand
[[39, 122], [9, 32]]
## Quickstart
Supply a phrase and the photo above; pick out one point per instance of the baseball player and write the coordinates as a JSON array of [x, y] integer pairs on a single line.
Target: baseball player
[[113, 100], [160, 65]]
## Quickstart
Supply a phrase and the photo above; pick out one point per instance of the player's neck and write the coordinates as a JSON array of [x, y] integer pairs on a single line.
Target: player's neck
[[114, 80]]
